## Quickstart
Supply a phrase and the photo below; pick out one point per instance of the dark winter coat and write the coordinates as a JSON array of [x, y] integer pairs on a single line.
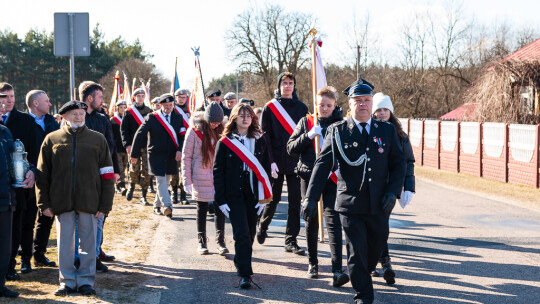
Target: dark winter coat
[[409, 184], [301, 145], [228, 171], [21, 126], [7, 195], [117, 136], [129, 125], [161, 148], [100, 123]]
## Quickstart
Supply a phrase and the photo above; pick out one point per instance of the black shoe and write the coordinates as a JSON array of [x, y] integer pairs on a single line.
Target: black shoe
[[313, 271], [100, 267], [202, 248], [143, 200], [64, 291], [174, 195], [183, 198], [339, 279], [12, 275], [294, 248], [388, 274], [375, 273], [4, 292], [157, 210], [41, 260], [87, 290], [151, 188], [124, 191], [261, 236], [245, 282], [129, 193], [105, 257], [26, 267]]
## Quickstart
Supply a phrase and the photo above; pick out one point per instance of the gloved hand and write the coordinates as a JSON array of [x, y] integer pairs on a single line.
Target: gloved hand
[[274, 170], [309, 209], [189, 189], [388, 202], [225, 209], [314, 131], [405, 199], [260, 207]]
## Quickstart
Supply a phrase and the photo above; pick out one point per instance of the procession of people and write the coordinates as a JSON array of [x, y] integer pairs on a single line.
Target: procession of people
[[229, 158]]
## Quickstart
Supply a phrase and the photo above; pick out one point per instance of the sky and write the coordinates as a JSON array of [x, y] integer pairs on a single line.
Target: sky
[[168, 29]]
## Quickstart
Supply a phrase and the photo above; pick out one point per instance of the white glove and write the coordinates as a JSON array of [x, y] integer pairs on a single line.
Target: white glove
[[405, 199], [189, 189], [260, 207], [275, 170], [314, 131], [225, 209]]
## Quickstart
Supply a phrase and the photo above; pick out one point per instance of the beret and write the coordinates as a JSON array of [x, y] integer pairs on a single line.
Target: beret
[[359, 88], [121, 102], [166, 98], [230, 95], [213, 93], [72, 105], [248, 101], [180, 92], [138, 91]]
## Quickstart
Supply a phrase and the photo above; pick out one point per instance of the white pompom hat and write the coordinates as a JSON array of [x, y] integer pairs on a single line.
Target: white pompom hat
[[381, 101]]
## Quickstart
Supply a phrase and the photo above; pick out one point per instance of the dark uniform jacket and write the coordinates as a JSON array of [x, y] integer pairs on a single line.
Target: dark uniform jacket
[[129, 125], [301, 145], [409, 184], [21, 126], [117, 136], [161, 148], [50, 126], [385, 170], [228, 172], [99, 122], [276, 136], [73, 166]]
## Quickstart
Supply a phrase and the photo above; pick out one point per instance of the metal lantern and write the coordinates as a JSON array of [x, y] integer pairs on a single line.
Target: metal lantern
[[19, 165]]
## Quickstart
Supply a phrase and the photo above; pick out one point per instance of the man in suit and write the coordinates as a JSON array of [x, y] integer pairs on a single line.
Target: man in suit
[[22, 127], [371, 174], [161, 130]]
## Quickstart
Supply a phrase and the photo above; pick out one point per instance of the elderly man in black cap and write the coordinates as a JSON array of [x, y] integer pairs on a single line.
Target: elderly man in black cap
[[134, 118], [371, 174], [163, 132], [78, 192]]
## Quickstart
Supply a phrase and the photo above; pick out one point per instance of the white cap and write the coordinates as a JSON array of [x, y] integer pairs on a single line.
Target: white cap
[[381, 101]]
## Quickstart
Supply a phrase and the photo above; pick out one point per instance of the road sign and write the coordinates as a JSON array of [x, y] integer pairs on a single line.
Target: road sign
[[62, 34]]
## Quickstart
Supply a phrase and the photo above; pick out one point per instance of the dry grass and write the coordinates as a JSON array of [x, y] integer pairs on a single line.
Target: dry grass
[[129, 231], [515, 194]]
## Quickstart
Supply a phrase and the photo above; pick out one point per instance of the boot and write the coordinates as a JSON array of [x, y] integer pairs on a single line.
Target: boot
[[388, 274], [129, 193], [175, 194], [151, 188], [183, 198], [143, 200], [222, 247], [202, 249]]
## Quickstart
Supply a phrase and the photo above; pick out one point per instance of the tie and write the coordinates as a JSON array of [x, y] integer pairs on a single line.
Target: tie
[[364, 131], [167, 118], [4, 118]]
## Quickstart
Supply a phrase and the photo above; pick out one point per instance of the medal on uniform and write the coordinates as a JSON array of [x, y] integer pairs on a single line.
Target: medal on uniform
[[346, 146], [379, 142], [374, 139], [355, 144]]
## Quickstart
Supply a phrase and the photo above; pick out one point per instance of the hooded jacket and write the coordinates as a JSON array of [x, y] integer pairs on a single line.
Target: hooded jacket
[[275, 134]]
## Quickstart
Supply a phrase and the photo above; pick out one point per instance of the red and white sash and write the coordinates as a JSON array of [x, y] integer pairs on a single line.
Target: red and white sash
[[200, 135], [167, 126], [184, 116], [333, 175], [282, 115], [117, 118], [265, 189], [137, 115]]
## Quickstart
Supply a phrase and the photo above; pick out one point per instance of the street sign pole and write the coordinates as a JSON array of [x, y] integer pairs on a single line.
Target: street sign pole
[[71, 58]]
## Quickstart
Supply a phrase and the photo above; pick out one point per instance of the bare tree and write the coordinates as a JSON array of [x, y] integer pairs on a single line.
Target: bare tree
[[359, 37], [269, 41]]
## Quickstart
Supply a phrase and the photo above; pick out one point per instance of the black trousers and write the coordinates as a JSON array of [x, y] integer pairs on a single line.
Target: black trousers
[[6, 217], [243, 217], [333, 224], [293, 216], [385, 253], [202, 211], [21, 237], [365, 236]]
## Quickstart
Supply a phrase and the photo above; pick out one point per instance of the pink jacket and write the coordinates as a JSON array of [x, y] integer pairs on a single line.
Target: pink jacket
[[193, 172]]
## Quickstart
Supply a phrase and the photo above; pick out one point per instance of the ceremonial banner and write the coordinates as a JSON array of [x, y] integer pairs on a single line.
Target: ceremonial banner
[[175, 84], [117, 93], [196, 99], [126, 96], [265, 189], [318, 73]]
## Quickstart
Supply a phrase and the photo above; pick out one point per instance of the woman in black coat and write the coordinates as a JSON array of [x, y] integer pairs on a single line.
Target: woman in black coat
[[384, 110], [242, 190], [302, 144]]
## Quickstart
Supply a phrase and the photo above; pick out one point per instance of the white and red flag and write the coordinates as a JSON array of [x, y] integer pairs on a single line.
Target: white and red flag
[[320, 75], [197, 98], [117, 93]]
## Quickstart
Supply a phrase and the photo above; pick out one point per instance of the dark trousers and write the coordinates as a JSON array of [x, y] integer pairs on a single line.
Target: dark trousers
[[333, 224], [243, 217], [293, 216], [385, 255], [365, 236], [20, 236], [202, 210], [6, 217], [43, 231]]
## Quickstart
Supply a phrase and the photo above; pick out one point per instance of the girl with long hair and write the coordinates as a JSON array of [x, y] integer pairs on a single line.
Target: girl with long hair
[[197, 165], [242, 186]]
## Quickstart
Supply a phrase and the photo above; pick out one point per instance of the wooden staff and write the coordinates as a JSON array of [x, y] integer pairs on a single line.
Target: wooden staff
[[313, 32]]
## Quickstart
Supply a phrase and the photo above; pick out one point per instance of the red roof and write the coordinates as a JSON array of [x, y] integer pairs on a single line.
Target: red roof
[[466, 111], [529, 52]]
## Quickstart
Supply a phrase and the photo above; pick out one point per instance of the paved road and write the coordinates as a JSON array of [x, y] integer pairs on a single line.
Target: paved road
[[447, 247]]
